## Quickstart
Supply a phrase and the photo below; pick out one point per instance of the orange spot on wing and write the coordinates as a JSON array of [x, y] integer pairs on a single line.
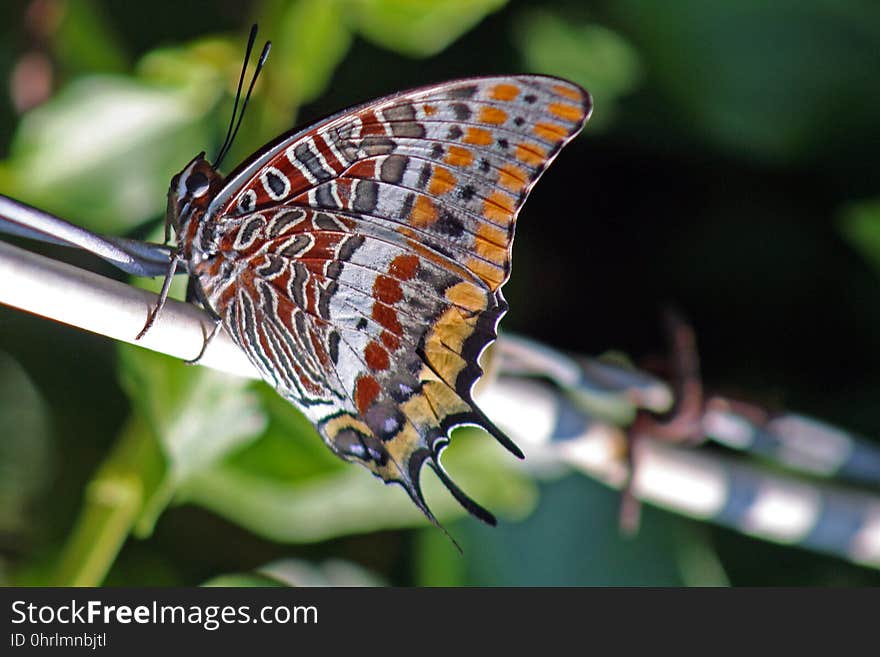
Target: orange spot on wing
[[459, 157], [513, 178], [429, 110], [477, 136], [387, 290], [365, 392], [363, 169], [426, 253], [550, 131], [376, 357], [442, 181], [493, 115], [467, 295], [443, 399], [505, 92], [424, 212], [490, 274], [391, 341], [404, 267], [387, 317], [490, 251], [444, 344], [371, 126], [499, 208], [494, 234], [566, 111], [531, 154], [569, 92]]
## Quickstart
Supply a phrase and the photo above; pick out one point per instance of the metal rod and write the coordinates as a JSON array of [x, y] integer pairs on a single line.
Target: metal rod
[[131, 256]]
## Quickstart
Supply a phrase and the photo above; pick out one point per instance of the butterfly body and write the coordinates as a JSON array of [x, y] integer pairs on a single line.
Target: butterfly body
[[359, 262]]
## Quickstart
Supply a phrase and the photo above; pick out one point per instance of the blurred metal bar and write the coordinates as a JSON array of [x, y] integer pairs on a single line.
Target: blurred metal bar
[[131, 256], [80, 298], [689, 481], [794, 441]]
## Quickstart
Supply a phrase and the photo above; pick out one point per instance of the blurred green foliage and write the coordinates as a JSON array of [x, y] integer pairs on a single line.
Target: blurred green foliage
[[861, 226], [581, 51], [176, 475]]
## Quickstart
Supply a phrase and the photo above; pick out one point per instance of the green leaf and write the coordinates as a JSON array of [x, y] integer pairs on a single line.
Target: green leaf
[[243, 580], [347, 499], [419, 29], [197, 415], [114, 500], [769, 80], [332, 572], [591, 55], [435, 563], [289, 449], [574, 539], [102, 151], [861, 227], [25, 447], [311, 37], [296, 572], [84, 40]]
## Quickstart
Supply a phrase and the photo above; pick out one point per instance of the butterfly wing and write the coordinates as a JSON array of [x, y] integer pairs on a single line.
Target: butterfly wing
[[359, 263]]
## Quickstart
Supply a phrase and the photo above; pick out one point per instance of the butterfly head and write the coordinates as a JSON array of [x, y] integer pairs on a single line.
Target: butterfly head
[[191, 190]]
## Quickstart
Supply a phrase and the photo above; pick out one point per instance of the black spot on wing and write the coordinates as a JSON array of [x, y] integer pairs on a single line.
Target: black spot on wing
[[424, 175], [461, 111], [393, 168], [463, 93], [276, 183], [374, 145], [296, 246], [449, 224], [304, 154], [324, 221], [366, 196], [402, 119], [333, 346], [324, 196], [274, 267], [250, 227], [348, 246], [281, 221], [296, 287], [407, 205]]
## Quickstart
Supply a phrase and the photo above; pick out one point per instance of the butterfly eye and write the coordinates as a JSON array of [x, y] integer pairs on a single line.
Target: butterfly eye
[[197, 184]]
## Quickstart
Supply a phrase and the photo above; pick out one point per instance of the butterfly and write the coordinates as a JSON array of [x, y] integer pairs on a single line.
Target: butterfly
[[359, 262]]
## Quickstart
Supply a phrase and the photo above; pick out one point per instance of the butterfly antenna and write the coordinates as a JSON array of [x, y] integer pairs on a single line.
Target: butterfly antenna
[[232, 130], [260, 63], [247, 57]]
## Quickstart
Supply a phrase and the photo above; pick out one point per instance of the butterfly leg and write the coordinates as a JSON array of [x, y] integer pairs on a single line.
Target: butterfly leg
[[163, 295], [195, 294], [683, 425]]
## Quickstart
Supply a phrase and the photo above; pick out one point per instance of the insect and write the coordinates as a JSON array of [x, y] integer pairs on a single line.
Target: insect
[[359, 262]]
